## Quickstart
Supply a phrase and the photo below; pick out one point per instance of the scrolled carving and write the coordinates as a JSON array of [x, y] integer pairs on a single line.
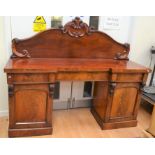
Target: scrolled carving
[[123, 55], [142, 85], [23, 54], [76, 28], [10, 90], [112, 86], [51, 89]]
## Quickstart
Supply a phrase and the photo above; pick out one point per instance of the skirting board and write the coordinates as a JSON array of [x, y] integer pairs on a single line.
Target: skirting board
[[4, 113]]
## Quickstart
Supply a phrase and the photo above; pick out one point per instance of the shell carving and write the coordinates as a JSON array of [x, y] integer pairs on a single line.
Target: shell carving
[[76, 28]]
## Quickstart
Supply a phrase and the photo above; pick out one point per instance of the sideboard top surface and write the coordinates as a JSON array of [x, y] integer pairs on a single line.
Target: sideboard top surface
[[68, 64]]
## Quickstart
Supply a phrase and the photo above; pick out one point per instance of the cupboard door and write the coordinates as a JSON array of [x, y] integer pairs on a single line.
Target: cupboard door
[[124, 101], [31, 106]]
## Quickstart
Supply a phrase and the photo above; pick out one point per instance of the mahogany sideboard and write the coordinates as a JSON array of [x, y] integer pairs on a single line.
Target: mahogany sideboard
[[72, 52]]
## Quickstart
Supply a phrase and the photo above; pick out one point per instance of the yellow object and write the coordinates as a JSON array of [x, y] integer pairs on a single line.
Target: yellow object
[[39, 24]]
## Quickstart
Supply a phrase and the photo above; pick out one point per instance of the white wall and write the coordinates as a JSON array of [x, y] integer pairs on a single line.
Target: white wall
[[141, 40], [143, 37], [122, 34], [3, 83], [21, 26]]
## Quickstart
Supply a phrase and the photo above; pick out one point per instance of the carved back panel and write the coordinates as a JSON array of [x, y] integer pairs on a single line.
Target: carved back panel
[[74, 40]]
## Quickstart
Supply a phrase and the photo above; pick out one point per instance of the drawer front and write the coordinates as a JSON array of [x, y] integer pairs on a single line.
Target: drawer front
[[93, 76], [127, 77], [30, 78]]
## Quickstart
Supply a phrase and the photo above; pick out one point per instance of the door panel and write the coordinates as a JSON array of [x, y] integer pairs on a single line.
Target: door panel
[[32, 106], [123, 102], [28, 103]]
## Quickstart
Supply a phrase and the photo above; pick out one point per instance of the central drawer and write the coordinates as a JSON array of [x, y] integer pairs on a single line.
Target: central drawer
[[83, 76]]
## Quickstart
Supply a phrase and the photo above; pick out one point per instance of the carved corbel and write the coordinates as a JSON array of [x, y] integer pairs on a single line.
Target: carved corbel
[[51, 89], [112, 86], [142, 85], [123, 55], [76, 28], [23, 54], [11, 90]]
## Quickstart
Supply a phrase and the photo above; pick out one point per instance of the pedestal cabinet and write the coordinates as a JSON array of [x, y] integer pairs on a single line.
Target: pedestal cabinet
[[30, 104], [116, 103]]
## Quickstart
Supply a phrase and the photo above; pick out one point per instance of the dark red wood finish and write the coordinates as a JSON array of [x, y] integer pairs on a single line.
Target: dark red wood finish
[[73, 52]]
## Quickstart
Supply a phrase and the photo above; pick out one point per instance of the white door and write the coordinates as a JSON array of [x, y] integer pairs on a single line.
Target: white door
[[82, 94], [62, 95], [75, 94]]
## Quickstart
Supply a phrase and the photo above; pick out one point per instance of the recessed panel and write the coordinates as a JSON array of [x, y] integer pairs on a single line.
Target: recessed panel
[[123, 103], [30, 106]]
